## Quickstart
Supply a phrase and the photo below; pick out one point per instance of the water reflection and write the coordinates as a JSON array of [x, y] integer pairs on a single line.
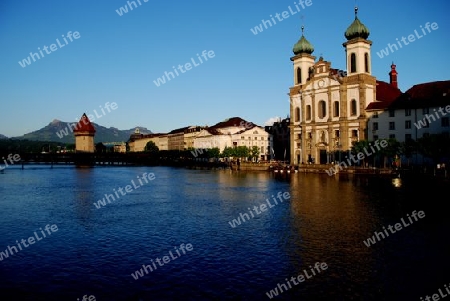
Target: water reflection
[[84, 193], [397, 182]]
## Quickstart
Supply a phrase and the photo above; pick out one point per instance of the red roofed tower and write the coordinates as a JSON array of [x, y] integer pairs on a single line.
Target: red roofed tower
[[393, 76], [84, 135]]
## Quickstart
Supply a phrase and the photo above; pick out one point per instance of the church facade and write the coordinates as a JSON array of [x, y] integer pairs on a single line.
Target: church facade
[[328, 105]]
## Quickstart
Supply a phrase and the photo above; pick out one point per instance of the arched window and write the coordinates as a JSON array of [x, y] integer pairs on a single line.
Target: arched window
[[308, 112], [353, 107], [336, 109], [297, 114], [322, 109], [299, 75], [366, 62], [352, 63]]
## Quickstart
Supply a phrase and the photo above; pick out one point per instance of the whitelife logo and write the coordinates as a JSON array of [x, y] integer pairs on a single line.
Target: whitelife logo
[[263, 207], [359, 156], [128, 188], [188, 66], [124, 9], [280, 17], [11, 159], [27, 61], [73, 126], [430, 118], [411, 38], [319, 267], [30, 240], [161, 261], [376, 237]]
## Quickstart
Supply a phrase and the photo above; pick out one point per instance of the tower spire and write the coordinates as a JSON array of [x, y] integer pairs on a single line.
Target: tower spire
[[393, 76]]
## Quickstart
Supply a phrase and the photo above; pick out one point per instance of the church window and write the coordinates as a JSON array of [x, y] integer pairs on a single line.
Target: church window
[[336, 109], [322, 109], [297, 114], [308, 112], [352, 63], [366, 62], [299, 75], [353, 107]]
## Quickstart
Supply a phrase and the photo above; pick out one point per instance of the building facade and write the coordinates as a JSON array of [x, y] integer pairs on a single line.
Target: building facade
[[176, 139], [281, 139], [190, 134], [422, 110], [138, 141], [328, 106], [235, 132]]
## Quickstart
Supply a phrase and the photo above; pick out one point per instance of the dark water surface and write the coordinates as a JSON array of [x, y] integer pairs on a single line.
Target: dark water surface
[[95, 251]]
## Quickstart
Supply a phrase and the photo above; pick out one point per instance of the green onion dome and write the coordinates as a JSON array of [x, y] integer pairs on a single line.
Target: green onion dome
[[357, 29], [303, 46]]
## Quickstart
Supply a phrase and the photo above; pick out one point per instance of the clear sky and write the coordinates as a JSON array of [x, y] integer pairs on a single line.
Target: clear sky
[[118, 58]]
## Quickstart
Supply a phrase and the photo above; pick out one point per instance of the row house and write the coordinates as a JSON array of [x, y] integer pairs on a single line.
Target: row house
[[281, 139], [190, 134], [235, 132], [138, 141], [422, 110], [176, 139]]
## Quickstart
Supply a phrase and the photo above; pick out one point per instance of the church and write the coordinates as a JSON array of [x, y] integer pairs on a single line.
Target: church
[[328, 107]]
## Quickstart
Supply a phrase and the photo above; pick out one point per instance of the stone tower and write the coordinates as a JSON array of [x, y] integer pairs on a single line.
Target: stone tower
[[84, 135]]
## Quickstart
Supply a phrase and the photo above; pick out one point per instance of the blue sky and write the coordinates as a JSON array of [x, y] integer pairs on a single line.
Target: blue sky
[[118, 58]]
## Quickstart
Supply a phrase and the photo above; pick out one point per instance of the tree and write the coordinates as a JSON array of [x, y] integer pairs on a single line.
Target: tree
[[408, 148], [100, 148], [392, 149], [213, 152], [435, 146], [242, 151], [151, 147], [359, 147], [228, 152], [254, 152]]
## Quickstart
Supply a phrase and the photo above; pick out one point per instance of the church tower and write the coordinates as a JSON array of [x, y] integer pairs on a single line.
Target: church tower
[[84, 135], [303, 63], [327, 105], [393, 76], [303, 60], [357, 48]]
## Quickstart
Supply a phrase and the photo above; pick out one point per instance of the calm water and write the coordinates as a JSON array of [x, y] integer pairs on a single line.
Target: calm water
[[95, 251]]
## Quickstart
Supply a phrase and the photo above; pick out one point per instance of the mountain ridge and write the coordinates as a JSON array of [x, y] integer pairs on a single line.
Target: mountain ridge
[[61, 131]]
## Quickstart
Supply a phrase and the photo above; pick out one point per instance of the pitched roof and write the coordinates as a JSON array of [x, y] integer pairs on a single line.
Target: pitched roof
[[84, 125], [180, 130], [233, 121], [430, 94], [386, 94]]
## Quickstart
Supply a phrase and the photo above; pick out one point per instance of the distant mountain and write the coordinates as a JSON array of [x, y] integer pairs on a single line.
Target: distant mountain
[[3, 137], [60, 131]]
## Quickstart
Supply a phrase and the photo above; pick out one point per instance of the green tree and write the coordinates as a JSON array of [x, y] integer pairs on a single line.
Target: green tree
[[213, 152], [242, 151], [359, 147], [151, 147], [254, 152], [228, 152]]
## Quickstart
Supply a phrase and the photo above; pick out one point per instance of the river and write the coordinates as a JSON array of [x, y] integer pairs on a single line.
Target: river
[[178, 223]]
